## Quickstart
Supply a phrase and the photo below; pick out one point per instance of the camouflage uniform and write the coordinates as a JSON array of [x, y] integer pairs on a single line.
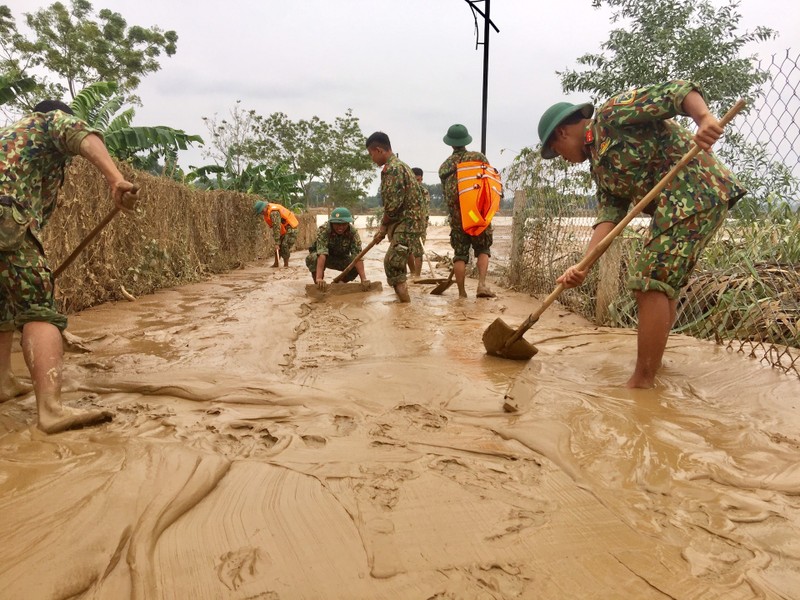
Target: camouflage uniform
[[284, 243], [339, 249], [426, 204], [633, 142], [402, 216], [459, 239], [35, 152]]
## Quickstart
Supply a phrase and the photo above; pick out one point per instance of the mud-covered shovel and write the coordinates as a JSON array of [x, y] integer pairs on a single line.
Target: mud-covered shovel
[[440, 289], [501, 340]]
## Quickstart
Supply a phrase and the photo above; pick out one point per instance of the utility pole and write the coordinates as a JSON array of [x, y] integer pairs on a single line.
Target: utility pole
[[487, 22]]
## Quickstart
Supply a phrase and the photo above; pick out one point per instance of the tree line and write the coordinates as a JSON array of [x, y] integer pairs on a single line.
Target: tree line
[[96, 62]]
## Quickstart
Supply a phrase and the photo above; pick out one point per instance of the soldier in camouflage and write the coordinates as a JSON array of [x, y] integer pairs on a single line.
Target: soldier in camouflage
[[35, 152], [631, 143], [402, 211], [417, 252], [458, 137], [337, 245]]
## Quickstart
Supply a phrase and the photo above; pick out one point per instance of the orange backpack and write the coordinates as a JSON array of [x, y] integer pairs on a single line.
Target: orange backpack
[[479, 194]]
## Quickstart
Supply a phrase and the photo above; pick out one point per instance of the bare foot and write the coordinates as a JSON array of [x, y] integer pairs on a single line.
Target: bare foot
[[485, 292], [286, 263], [275, 265], [640, 382], [462, 294], [402, 292], [13, 387], [64, 418]]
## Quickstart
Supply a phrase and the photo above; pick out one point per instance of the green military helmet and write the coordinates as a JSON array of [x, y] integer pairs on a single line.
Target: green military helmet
[[258, 207], [457, 136], [341, 215], [553, 117]]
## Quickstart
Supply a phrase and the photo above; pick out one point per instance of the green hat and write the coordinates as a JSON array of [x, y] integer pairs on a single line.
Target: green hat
[[258, 207], [457, 136], [341, 215], [553, 117]]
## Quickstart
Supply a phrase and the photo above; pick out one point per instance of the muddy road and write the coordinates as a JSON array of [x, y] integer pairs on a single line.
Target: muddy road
[[269, 445]]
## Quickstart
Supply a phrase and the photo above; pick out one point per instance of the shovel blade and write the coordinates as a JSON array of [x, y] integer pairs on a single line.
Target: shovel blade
[[442, 287], [337, 289], [495, 338]]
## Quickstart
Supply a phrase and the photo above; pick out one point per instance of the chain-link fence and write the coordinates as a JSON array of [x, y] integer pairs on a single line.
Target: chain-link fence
[[745, 291]]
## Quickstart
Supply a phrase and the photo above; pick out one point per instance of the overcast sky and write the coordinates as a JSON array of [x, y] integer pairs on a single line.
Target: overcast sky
[[406, 67]]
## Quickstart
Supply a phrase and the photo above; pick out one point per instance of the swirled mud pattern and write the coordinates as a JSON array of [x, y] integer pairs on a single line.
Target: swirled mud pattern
[[270, 445]]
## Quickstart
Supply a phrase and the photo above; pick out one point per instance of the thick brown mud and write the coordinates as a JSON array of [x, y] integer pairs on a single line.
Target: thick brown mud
[[267, 444]]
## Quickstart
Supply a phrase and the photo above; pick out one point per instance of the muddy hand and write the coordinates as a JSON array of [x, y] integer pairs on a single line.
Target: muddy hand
[[365, 285], [322, 285]]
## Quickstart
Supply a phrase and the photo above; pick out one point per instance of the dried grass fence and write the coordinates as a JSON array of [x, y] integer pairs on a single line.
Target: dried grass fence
[[745, 292], [178, 235]]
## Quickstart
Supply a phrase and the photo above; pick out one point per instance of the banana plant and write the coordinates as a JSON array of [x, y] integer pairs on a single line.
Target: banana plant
[[276, 182], [12, 87], [99, 104]]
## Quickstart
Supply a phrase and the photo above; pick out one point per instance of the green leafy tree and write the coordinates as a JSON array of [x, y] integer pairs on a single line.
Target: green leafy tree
[[79, 48], [99, 104], [230, 145], [314, 151], [12, 87], [658, 40]]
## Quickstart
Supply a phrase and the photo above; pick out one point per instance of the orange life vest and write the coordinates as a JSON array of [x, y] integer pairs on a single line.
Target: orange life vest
[[287, 217], [479, 194]]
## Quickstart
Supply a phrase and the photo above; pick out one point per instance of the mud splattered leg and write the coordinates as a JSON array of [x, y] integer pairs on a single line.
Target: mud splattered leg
[[10, 386], [483, 267], [43, 352]]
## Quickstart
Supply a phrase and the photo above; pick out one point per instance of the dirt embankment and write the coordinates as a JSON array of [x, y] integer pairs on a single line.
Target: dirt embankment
[[269, 445]]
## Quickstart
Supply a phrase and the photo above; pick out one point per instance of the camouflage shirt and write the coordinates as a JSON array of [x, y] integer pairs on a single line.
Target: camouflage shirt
[[633, 142], [426, 205], [275, 217], [34, 152], [402, 198], [447, 173], [328, 242]]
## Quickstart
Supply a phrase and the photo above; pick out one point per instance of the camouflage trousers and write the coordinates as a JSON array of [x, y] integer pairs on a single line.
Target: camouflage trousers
[[669, 257], [26, 288], [417, 249], [396, 260], [337, 263], [287, 243], [461, 242]]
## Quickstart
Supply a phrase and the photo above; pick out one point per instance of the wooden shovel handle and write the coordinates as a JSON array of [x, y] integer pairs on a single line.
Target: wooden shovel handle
[[86, 241], [358, 257], [601, 247]]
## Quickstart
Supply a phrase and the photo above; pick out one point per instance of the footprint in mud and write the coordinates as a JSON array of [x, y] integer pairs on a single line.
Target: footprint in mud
[[517, 521], [238, 566], [384, 486], [344, 425], [314, 441], [507, 581], [485, 581], [422, 417]]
